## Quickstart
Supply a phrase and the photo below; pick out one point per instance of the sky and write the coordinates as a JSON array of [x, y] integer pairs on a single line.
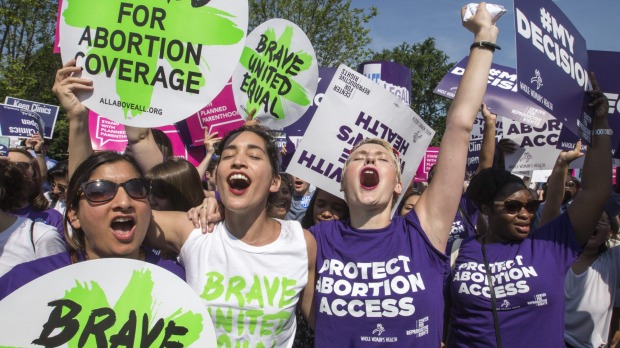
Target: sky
[[413, 21]]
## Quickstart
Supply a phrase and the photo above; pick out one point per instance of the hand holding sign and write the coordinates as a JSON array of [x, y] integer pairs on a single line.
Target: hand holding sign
[[478, 24], [599, 100], [566, 157], [66, 85]]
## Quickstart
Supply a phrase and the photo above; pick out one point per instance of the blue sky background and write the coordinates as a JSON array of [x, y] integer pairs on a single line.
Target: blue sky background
[[413, 21]]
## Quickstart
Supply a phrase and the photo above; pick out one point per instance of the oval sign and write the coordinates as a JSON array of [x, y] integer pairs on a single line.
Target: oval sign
[[153, 62], [106, 302], [277, 74]]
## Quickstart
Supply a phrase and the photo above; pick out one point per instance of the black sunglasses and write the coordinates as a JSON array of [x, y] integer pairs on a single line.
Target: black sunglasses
[[101, 191], [514, 206]]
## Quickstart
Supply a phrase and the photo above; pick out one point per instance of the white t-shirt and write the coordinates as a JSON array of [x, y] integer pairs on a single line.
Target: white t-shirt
[[590, 298], [16, 245], [251, 292]]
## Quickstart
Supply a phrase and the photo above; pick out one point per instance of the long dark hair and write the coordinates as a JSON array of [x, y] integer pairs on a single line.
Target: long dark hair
[[14, 186], [177, 180], [36, 199]]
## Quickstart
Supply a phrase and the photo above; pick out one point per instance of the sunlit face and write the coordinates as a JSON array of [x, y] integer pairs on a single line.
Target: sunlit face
[[300, 187], [281, 203], [329, 207], [115, 228], [409, 204], [244, 174], [59, 188], [509, 227], [370, 178]]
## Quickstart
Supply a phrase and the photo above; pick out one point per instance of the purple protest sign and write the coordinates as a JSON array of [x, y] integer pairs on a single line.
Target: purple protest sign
[[473, 155], [502, 97], [219, 116], [47, 112], [393, 76], [109, 135], [552, 59], [18, 122]]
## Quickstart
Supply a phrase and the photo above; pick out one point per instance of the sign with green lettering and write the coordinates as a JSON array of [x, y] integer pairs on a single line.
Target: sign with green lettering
[[106, 303], [153, 62], [277, 75]]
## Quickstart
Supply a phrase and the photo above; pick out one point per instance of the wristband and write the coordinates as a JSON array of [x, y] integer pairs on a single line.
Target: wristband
[[602, 132], [485, 44]]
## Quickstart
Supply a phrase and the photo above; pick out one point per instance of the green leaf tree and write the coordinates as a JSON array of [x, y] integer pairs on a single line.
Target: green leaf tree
[[335, 29], [428, 66]]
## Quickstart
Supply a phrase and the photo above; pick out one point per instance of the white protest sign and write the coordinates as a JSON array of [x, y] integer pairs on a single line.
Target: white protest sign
[[153, 62], [277, 74], [478, 130], [352, 109], [120, 302], [537, 146]]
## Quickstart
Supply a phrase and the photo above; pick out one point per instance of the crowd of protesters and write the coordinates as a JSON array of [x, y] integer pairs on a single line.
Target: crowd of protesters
[[462, 263]]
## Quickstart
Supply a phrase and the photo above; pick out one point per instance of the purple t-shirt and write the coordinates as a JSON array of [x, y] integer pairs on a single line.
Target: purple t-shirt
[[529, 287], [464, 224], [24, 273], [380, 286], [50, 217]]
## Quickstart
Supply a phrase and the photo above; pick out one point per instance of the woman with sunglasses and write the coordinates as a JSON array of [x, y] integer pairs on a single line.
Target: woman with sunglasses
[[510, 278], [109, 214]]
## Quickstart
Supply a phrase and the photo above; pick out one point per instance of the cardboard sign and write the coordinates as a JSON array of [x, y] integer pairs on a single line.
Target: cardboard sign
[[355, 108], [537, 146], [18, 122], [502, 97], [113, 301], [219, 116], [392, 76], [277, 75], [47, 112], [153, 62], [428, 161], [552, 63]]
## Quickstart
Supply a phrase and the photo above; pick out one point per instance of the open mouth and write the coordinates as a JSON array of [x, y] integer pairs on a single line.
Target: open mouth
[[369, 179], [123, 228], [238, 183]]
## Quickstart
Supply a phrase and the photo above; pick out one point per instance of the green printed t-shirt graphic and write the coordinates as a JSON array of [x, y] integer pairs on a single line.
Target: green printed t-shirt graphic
[[136, 297], [274, 59], [107, 14]]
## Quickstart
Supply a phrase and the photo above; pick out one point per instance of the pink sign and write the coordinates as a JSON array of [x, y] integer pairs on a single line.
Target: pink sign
[[109, 135], [430, 158], [218, 116]]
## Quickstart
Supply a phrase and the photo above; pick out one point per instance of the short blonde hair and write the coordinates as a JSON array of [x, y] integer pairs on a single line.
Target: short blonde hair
[[383, 143]]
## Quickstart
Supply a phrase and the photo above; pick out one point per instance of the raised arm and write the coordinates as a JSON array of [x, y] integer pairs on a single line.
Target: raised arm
[[438, 204], [65, 87], [142, 147], [556, 184], [587, 207], [210, 141], [487, 149], [169, 230]]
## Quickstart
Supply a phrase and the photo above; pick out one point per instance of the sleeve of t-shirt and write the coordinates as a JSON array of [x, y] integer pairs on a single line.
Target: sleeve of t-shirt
[[47, 240], [558, 236]]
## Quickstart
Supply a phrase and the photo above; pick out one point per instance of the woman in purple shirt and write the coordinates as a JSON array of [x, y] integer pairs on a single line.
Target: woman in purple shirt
[[523, 305]]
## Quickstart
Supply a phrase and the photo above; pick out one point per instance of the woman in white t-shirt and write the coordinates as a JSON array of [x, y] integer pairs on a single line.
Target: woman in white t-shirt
[[21, 239]]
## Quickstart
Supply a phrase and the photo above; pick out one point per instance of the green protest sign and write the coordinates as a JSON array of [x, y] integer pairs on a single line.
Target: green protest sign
[[106, 303], [153, 62], [277, 74]]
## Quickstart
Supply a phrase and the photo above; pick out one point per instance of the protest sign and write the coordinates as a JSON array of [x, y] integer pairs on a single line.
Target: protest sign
[[428, 161], [606, 67], [109, 135], [277, 75], [153, 62], [47, 112], [552, 62], [18, 122], [478, 131], [355, 108], [97, 303], [502, 97], [219, 116], [394, 77], [537, 146]]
